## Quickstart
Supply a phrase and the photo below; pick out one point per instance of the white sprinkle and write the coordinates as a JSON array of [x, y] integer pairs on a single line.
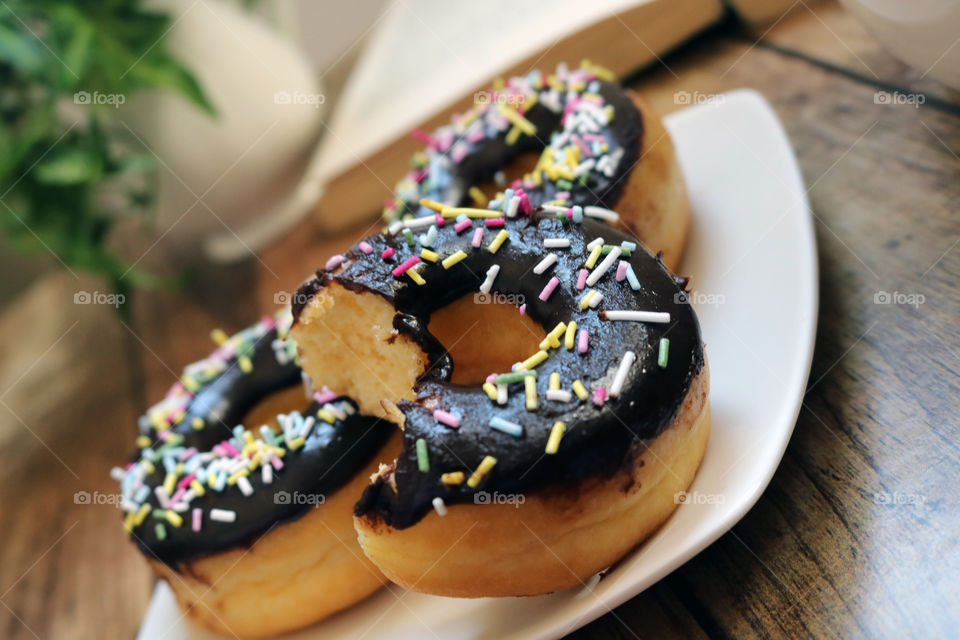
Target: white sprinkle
[[117, 474], [129, 505], [417, 223], [336, 411], [595, 300], [621, 376], [244, 485], [596, 242], [637, 316], [512, 208], [223, 515], [601, 213], [559, 395], [307, 425], [501, 394], [553, 208], [604, 266], [545, 264], [395, 227], [491, 275], [439, 506], [162, 497], [556, 243], [267, 473]]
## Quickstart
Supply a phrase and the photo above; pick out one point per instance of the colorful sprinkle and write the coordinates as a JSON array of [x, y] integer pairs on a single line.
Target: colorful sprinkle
[[620, 377], [664, 353], [511, 428], [439, 506], [553, 442], [482, 470], [223, 515], [545, 264], [496, 243], [423, 460], [530, 389], [583, 340], [447, 418], [636, 316], [453, 477], [454, 258]]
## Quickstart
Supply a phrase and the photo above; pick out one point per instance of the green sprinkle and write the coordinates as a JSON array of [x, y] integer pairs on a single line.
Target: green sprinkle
[[624, 251], [423, 461], [664, 353], [161, 531], [564, 184], [515, 376], [408, 236]]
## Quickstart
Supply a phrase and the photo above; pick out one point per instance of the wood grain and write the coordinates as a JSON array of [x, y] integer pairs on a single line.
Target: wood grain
[[855, 537]]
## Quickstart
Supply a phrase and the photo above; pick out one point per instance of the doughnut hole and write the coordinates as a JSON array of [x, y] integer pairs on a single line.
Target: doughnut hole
[[484, 338], [347, 340], [292, 398]]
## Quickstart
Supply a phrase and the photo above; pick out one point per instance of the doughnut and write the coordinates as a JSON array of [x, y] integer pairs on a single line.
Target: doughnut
[[252, 527], [573, 138], [537, 476]]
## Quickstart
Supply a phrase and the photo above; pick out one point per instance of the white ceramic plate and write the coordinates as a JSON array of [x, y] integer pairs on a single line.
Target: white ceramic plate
[[752, 255]]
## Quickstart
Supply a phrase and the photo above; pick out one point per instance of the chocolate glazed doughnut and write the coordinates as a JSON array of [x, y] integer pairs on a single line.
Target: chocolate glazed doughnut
[[252, 527], [549, 472], [600, 148]]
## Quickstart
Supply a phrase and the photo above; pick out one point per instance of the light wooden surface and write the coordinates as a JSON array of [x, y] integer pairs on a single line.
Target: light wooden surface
[[856, 536]]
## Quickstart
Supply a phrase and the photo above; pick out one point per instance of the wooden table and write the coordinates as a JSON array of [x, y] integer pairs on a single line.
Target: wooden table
[[856, 536]]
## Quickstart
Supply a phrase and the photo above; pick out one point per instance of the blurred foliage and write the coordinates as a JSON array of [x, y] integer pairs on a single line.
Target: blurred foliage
[[69, 170]]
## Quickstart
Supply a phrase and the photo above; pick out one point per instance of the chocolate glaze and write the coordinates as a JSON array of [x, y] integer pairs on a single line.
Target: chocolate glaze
[[597, 438], [331, 456], [492, 153]]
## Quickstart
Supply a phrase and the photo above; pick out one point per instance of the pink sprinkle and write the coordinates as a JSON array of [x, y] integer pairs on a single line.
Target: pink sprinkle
[[422, 136], [334, 262], [562, 195], [389, 203], [365, 247], [229, 448], [459, 153], [581, 279], [185, 482], [523, 309], [406, 264], [466, 223], [477, 237], [548, 289], [187, 454], [276, 462], [599, 396], [324, 396], [446, 418], [516, 184], [525, 207], [219, 451], [475, 135], [582, 341], [495, 222], [583, 147], [387, 253], [440, 220], [175, 498], [197, 516], [621, 270]]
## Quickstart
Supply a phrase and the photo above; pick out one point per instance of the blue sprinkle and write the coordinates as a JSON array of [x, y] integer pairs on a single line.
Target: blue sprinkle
[[427, 239], [632, 278], [626, 245], [506, 426], [507, 195], [494, 204], [462, 217]]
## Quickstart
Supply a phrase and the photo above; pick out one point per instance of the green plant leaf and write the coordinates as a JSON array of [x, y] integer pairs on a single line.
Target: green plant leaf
[[163, 72], [19, 49], [72, 166]]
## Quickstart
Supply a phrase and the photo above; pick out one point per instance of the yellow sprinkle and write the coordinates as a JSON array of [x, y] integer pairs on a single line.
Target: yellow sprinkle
[[553, 443], [180, 416], [585, 300], [232, 480], [432, 204], [533, 360], [454, 477], [198, 489], [453, 259], [518, 120], [219, 336], [498, 83], [513, 135], [142, 514], [179, 468], [143, 442], [469, 117], [477, 194], [197, 423], [169, 482], [255, 461], [189, 383], [580, 390], [416, 277], [530, 386], [427, 254], [529, 100], [129, 521], [491, 390], [554, 381], [498, 241], [482, 470], [245, 365], [278, 451], [147, 466], [326, 416], [453, 212], [297, 442], [173, 517], [594, 256], [571, 333], [248, 437]]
